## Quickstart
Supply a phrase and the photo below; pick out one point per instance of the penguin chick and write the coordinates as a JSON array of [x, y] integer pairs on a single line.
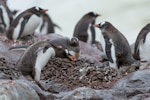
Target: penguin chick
[[37, 56], [142, 46], [84, 29], [47, 26], [6, 15], [70, 44], [115, 45], [25, 23]]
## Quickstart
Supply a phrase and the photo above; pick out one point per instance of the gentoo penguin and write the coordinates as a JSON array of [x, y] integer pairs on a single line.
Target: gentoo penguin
[[142, 47], [84, 29], [72, 45], [37, 56], [47, 26], [25, 23], [115, 45], [6, 15]]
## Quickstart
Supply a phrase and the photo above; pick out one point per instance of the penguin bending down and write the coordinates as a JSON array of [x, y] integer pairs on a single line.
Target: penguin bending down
[[84, 29], [37, 56], [142, 47], [6, 15], [72, 45], [47, 26], [25, 23], [115, 45]]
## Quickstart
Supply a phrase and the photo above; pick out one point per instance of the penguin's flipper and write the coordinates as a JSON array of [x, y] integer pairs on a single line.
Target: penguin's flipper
[[108, 50], [55, 25], [23, 47], [26, 18], [2, 18], [92, 29]]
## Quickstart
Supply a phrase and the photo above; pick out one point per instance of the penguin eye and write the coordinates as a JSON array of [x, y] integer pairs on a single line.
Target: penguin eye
[[40, 9]]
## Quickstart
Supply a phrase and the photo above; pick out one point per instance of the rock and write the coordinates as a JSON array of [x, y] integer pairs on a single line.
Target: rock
[[138, 79], [82, 93], [91, 53], [135, 85], [16, 90], [44, 95]]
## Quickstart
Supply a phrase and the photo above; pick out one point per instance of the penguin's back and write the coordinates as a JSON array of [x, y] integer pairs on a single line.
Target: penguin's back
[[28, 59]]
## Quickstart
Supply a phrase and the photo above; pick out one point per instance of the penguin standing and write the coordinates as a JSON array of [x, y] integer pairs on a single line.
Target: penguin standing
[[72, 45], [142, 46], [115, 46], [25, 23], [47, 26], [6, 15], [84, 29], [37, 56]]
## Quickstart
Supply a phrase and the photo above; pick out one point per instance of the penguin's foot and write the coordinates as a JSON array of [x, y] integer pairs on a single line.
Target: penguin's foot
[[136, 65]]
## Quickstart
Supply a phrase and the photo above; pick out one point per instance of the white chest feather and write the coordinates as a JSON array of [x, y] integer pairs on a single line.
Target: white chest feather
[[33, 22], [5, 16], [102, 41], [29, 28], [89, 40], [41, 61], [113, 55], [144, 49]]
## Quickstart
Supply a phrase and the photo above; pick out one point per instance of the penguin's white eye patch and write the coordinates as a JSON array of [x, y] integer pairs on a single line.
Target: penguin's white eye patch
[[67, 52], [37, 8], [102, 23]]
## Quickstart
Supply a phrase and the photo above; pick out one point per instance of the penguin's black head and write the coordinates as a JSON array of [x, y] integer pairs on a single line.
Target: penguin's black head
[[102, 25], [93, 14], [74, 42], [39, 11], [63, 53]]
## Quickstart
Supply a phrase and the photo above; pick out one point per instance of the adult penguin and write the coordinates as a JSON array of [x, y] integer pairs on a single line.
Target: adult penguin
[[6, 15], [37, 56], [84, 29], [25, 23], [115, 45], [142, 46]]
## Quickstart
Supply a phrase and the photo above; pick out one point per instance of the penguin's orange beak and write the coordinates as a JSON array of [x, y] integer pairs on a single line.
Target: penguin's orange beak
[[95, 25], [44, 10], [71, 57]]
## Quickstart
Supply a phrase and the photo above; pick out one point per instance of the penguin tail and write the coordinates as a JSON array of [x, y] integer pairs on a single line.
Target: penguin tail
[[55, 25]]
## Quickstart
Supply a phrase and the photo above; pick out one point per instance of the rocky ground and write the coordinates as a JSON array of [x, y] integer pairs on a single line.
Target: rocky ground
[[87, 78]]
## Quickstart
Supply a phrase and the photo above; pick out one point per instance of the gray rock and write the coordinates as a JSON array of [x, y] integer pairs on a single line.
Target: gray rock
[[135, 86], [82, 93], [138, 79], [16, 90]]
